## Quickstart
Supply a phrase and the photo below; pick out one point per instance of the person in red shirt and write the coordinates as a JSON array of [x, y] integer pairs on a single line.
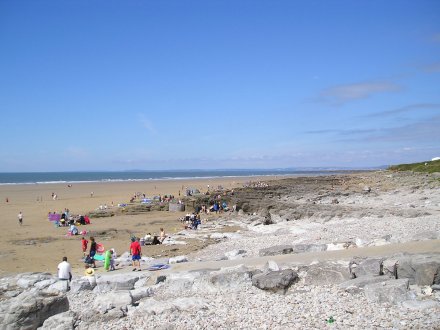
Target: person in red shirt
[[136, 252], [84, 244]]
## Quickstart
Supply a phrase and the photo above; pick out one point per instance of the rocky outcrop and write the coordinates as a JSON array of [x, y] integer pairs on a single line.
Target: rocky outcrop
[[106, 283], [30, 309], [422, 269]]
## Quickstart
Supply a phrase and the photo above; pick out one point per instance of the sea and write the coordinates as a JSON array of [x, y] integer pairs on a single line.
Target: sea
[[106, 176]]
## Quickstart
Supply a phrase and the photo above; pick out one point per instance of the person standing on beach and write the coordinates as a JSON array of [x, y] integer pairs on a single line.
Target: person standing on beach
[[92, 250], [84, 244], [20, 218], [65, 271], [135, 251]]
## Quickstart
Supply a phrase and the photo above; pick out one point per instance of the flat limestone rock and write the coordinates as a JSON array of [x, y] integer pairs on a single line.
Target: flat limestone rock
[[107, 283], [391, 291], [111, 300], [156, 307], [325, 273], [276, 250], [275, 281], [356, 284], [62, 321]]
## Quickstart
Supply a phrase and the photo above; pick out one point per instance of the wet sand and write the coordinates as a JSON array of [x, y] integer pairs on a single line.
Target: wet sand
[[39, 246]]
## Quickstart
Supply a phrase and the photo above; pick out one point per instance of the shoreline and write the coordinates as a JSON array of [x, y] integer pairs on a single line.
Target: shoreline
[[38, 246], [190, 178]]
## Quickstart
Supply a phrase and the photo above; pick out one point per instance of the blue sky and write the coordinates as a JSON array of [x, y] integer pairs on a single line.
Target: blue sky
[[115, 85]]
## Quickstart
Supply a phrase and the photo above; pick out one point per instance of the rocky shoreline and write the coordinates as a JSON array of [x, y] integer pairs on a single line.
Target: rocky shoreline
[[252, 278]]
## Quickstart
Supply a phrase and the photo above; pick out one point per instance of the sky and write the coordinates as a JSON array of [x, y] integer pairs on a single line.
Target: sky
[[157, 85]]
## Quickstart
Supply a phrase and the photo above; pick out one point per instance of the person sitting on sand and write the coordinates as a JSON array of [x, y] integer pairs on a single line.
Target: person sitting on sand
[[148, 239], [89, 261], [155, 240], [73, 230]]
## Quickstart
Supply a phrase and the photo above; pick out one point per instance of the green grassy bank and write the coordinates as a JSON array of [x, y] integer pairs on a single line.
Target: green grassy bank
[[427, 167]]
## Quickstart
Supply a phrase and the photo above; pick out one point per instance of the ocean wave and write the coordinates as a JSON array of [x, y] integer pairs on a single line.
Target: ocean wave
[[91, 177]]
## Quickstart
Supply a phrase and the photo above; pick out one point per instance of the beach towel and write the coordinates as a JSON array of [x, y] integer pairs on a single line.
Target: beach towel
[[158, 267], [54, 217], [98, 257]]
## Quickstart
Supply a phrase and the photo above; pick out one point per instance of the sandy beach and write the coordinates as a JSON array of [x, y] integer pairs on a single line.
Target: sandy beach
[[38, 246]]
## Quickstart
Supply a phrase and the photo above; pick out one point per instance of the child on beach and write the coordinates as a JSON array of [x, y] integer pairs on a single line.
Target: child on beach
[[84, 244], [162, 235], [112, 259]]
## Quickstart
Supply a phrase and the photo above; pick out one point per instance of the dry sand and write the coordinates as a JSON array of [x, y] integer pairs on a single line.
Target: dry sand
[[39, 246]]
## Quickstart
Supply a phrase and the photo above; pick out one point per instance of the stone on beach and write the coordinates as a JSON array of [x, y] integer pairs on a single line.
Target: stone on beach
[[275, 281], [391, 291]]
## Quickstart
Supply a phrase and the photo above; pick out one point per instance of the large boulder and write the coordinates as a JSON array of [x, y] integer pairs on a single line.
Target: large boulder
[[62, 321], [60, 285], [30, 309], [391, 291], [421, 269], [107, 283], [141, 293], [325, 273], [181, 281], [276, 250], [355, 285], [82, 284], [365, 266], [231, 278], [275, 281], [112, 300], [28, 280]]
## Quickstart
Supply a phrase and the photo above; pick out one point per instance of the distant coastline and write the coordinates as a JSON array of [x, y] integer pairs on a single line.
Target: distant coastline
[[138, 175]]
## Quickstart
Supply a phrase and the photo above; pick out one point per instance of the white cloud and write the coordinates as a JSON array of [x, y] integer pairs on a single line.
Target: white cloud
[[345, 93], [408, 108]]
